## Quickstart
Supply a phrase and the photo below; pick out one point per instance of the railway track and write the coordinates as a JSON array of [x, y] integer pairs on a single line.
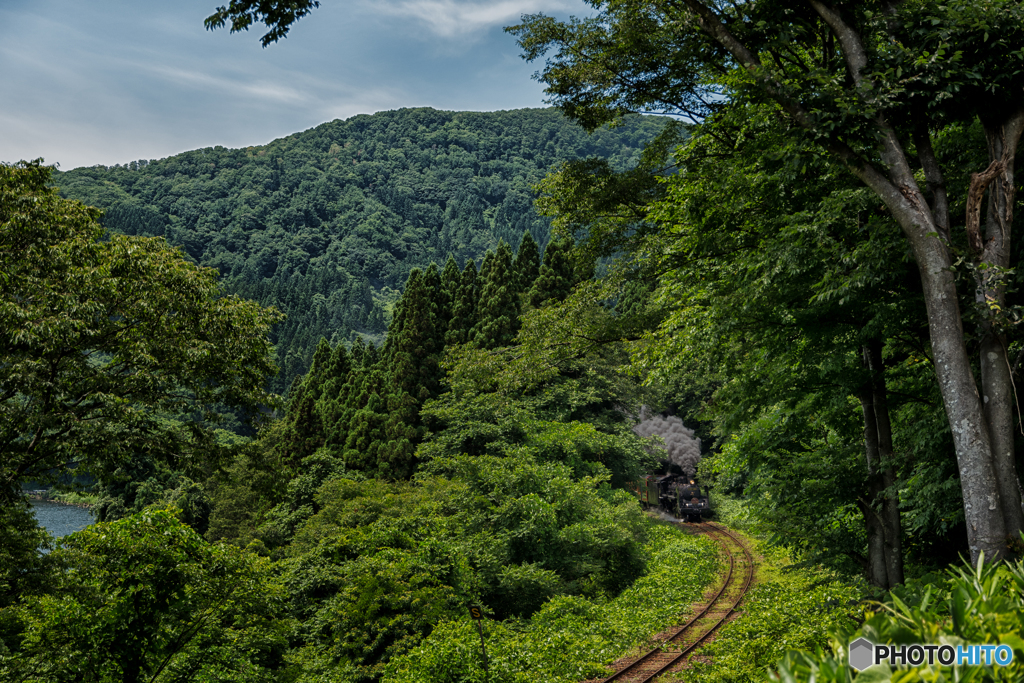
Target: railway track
[[683, 640]]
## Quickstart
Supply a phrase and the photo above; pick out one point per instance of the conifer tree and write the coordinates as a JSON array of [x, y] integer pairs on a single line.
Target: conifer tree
[[451, 278], [372, 355], [464, 307], [485, 265], [303, 431], [527, 264], [357, 352], [498, 318], [394, 457], [556, 278], [365, 431], [339, 365], [332, 404], [375, 423], [440, 300], [415, 349]]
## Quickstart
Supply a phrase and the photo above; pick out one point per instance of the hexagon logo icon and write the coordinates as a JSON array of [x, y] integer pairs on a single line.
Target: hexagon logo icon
[[861, 651]]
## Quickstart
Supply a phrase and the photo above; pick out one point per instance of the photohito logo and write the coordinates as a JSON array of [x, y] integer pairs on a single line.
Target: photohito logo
[[864, 653]]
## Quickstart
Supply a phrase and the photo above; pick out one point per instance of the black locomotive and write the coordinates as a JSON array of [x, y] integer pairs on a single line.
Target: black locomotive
[[675, 493]]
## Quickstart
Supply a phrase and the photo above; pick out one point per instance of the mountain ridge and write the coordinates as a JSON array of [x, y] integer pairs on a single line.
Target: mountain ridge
[[327, 223]]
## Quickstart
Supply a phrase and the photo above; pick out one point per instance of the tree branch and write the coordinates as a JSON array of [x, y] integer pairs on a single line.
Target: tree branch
[[936, 179]]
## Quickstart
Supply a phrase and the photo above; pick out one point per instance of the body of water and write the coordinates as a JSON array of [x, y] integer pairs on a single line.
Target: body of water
[[59, 519]]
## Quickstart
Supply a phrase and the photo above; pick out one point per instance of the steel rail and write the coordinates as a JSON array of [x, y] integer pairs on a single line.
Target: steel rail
[[749, 576], [716, 532], [678, 631]]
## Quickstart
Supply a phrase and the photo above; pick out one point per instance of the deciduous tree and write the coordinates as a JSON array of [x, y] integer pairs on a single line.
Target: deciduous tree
[[147, 599], [871, 84], [104, 337]]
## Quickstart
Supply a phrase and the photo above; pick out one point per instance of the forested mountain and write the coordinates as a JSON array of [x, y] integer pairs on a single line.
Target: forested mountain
[[327, 224], [820, 271]]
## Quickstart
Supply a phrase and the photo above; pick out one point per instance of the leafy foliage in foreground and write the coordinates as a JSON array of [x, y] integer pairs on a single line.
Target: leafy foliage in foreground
[[105, 338], [147, 599], [981, 604]]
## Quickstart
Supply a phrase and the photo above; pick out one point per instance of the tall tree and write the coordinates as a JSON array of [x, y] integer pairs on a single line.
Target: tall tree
[[371, 413], [769, 290], [439, 298], [871, 84], [102, 337], [556, 277], [527, 263], [414, 347], [881, 505], [451, 278], [464, 307], [498, 311], [300, 427]]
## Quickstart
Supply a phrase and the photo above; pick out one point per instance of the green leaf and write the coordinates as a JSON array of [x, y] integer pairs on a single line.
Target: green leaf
[[874, 674]]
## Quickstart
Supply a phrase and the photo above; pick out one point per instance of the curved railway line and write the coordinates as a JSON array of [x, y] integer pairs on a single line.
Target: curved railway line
[[676, 648]]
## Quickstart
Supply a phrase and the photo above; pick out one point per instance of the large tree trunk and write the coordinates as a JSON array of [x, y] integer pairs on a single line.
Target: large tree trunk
[[986, 530], [925, 228], [996, 380], [877, 571], [876, 566]]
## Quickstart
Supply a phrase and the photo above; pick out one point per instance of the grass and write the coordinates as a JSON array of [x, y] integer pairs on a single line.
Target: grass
[[788, 608], [74, 498]]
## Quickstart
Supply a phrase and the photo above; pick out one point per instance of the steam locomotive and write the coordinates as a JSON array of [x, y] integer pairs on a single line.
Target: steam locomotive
[[677, 494]]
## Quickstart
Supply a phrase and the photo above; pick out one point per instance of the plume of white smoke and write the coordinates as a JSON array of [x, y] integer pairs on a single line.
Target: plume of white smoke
[[681, 446]]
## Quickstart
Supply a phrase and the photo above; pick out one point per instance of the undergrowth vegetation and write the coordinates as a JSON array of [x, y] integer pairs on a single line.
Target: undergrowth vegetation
[[571, 637], [980, 605], [568, 571]]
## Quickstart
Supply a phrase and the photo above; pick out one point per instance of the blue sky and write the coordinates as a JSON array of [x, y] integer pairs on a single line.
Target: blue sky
[[112, 81]]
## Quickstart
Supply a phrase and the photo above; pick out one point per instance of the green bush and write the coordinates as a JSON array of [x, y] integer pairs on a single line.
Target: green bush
[[146, 599], [572, 637], [373, 572], [732, 512]]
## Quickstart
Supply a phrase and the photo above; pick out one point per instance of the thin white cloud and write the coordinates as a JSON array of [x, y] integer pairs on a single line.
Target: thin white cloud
[[262, 90], [458, 18], [330, 98]]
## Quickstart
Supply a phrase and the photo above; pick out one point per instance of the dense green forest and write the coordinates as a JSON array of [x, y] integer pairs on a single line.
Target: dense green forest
[[816, 272], [326, 224]]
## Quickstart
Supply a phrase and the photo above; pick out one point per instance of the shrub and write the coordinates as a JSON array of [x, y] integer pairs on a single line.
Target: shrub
[[571, 637]]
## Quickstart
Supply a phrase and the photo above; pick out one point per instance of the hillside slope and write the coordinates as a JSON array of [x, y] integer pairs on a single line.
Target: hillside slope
[[327, 223]]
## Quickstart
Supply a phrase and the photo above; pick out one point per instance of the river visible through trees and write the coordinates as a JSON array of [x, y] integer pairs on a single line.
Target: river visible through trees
[[59, 519]]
